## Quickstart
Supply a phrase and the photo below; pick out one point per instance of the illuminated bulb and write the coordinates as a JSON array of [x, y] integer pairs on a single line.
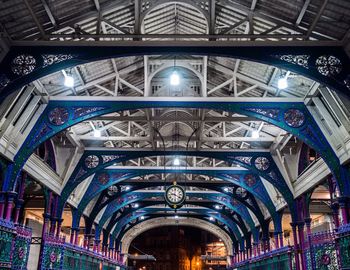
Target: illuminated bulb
[[217, 207], [176, 161], [136, 205], [211, 218], [174, 78], [255, 134], [142, 217], [127, 188], [282, 83], [176, 217], [226, 189], [97, 133], [68, 81]]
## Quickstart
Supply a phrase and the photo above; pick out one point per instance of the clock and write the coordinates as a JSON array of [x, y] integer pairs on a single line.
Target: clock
[[175, 196]]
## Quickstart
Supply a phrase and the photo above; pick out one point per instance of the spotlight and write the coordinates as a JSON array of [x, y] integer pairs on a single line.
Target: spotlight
[[176, 161], [69, 81], [97, 133], [255, 134], [282, 83], [174, 78]]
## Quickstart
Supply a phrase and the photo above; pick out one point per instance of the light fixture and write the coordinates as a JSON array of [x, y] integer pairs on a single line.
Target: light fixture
[[174, 78], [211, 219], [97, 133], [142, 217], [127, 188], [136, 205], [217, 206], [68, 80], [226, 189], [255, 134], [176, 161], [282, 83], [176, 217]]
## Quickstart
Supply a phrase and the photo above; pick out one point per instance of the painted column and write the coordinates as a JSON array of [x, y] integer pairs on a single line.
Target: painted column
[[76, 236], [72, 234], [2, 204], [276, 234], [335, 214], [343, 209], [59, 225], [296, 249], [281, 239], [302, 244], [10, 204], [20, 200]]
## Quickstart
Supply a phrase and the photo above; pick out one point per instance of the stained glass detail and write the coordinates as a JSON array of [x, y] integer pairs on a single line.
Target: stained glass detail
[[271, 113], [58, 116], [250, 180], [262, 163], [82, 111], [23, 64], [92, 161], [50, 59], [328, 65], [294, 118], [103, 178], [296, 59]]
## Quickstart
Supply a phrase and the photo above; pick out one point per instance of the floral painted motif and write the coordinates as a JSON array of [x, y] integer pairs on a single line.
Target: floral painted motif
[[23, 64], [271, 113], [250, 180], [103, 178], [58, 116], [262, 163], [92, 161], [294, 118], [328, 65], [296, 59], [50, 59]]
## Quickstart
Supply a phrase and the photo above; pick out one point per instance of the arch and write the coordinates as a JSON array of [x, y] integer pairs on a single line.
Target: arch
[[235, 177], [158, 222]]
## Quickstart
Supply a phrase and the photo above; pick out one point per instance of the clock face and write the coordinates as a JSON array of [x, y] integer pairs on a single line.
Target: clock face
[[175, 195]]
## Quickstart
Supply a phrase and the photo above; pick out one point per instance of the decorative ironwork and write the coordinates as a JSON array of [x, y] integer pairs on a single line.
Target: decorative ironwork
[[109, 158], [92, 161], [21, 247], [246, 160], [82, 111], [241, 192], [271, 113], [50, 59], [4, 81], [103, 178], [23, 64], [42, 132], [58, 116], [346, 82], [250, 180], [296, 59], [328, 65], [294, 118], [262, 163]]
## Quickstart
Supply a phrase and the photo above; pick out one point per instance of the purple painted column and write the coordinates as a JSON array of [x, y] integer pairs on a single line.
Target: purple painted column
[[72, 233], [335, 214], [281, 239], [59, 226], [76, 236], [2, 204], [276, 234], [296, 249], [302, 244], [343, 209], [20, 201], [10, 204]]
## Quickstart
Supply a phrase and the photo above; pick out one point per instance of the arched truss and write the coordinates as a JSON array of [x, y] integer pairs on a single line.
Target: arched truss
[[218, 198], [291, 116], [258, 163], [159, 222], [225, 216], [238, 178], [200, 213]]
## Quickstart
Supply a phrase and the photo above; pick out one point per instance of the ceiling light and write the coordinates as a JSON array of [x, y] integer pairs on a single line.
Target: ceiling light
[[211, 219], [176, 217], [282, 83], [176, 161], [217, 206], [226, 189], [127, 188], [142, 217], [69, 81], [174, 78], [136, 205], [255, 134], [97, 133]]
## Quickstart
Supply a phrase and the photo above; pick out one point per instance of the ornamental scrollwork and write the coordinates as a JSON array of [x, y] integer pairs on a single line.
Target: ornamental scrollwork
[[271, 113], [262, 163], [92, 161], [328, 65], [296, 59], [294, 118], [23, 64], [49, 59], [58, 116]]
